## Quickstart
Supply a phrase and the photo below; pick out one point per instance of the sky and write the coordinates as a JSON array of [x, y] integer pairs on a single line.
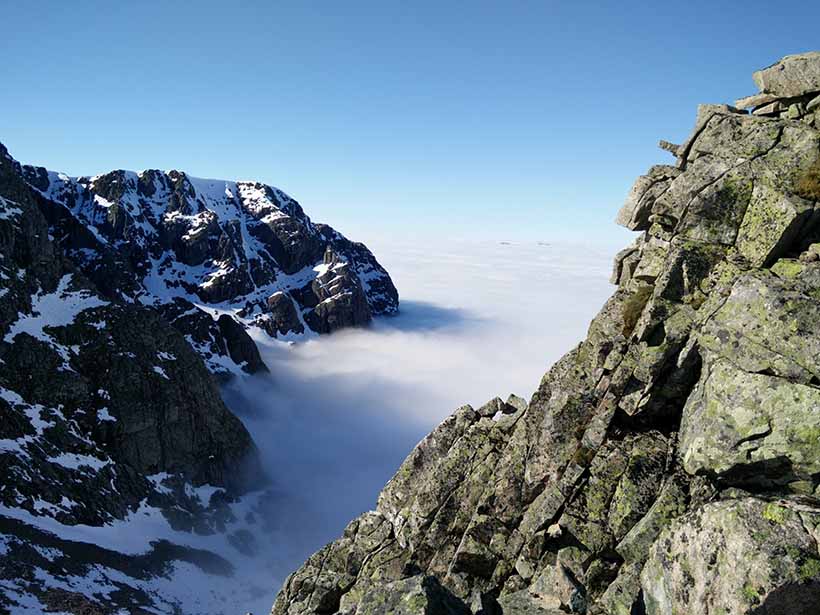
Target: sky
[[487, 120], [412, 126]]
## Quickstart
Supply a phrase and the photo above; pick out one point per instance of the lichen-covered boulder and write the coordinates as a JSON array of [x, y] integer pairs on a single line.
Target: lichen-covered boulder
[[768, 323], [736, 556], [770, 224], [419, 595], [751, 428], [636, 210]]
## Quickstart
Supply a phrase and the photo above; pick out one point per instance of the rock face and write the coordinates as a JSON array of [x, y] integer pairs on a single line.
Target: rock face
[[105, 408], [667, 465], [95, 394], [736, 556], [205, 250], [792, 76], [122, 297]]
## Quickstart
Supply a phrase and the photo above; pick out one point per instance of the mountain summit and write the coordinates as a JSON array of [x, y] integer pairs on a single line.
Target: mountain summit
[[670, 463], [214, 256]]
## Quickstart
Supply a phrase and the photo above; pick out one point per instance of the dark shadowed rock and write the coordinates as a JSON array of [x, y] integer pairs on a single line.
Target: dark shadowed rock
[[223, 344], [241, 347], [106, 407], [282, 316]]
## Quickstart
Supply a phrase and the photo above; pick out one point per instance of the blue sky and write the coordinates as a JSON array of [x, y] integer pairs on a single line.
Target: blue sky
[[507, 120]]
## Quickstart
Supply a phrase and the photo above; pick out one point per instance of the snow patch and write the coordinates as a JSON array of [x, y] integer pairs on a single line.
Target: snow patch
[[56, 309], [104, 415], [73, 461], [8, 209]]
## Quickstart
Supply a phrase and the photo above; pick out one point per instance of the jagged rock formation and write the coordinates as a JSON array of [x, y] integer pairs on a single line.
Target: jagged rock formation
[[789, 88], [211, 254], [101, 402], [121, 298], [669, 463]]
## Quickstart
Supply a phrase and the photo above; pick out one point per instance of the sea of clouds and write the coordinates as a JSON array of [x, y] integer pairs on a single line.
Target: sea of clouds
[[337, 414]]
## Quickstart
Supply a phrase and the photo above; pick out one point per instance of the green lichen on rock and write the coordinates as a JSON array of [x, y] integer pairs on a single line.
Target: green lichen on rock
[[633, 307], [771, 223], [639, 484], [810, 570], [751, 595], [776, 513], [717, 559], [414, 596], [670, 504], [787, 268], [808, 184], [751, 428]]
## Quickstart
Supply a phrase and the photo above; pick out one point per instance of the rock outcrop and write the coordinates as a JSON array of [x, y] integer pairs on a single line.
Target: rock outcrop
[[788, 88], [667, 465], [95, 394]]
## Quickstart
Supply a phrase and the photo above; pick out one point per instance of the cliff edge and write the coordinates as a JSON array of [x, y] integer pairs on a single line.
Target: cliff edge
[[670, 463]]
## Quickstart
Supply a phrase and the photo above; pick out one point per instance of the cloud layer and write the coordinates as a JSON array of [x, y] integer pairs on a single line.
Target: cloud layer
[[338, 414]]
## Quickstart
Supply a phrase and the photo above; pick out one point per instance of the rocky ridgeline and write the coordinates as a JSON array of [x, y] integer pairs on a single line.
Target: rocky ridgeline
[[213, 256], [789, 89], [101, 402], [670, 463], [121, 297]]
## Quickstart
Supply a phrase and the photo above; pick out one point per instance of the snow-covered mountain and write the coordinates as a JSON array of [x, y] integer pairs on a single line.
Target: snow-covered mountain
[[201, 250], [123, 299]]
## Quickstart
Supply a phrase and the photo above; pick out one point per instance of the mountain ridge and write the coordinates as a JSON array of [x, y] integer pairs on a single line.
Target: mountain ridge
[[239, 250], [113, 427], [668, 464]]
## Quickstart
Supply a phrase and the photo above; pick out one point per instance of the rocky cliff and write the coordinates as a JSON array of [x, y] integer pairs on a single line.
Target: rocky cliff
[[122, 299], [670, 463], [214, 257]]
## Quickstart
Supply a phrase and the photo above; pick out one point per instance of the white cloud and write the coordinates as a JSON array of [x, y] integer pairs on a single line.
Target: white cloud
[[338, 414]]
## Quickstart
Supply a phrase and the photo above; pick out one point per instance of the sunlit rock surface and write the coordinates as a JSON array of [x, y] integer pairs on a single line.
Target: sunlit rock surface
[[666, 465]]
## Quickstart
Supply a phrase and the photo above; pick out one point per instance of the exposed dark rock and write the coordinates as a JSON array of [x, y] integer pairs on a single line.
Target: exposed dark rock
[[101, 400], [240, 345], [282, 316], [71, 354], [214, 340], [160, 238], [336, 297]]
